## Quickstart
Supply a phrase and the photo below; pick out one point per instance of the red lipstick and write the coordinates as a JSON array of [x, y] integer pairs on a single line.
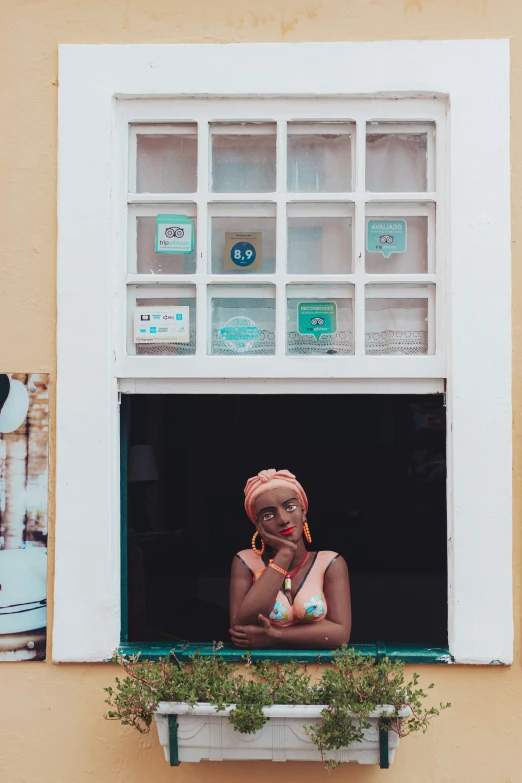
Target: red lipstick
[[287, 531]]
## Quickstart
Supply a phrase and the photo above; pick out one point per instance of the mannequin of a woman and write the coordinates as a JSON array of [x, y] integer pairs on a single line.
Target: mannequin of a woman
[[281, 594]]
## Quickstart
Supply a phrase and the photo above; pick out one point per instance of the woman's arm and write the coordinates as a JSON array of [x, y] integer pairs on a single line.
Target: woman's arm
[[248, 600], [326, 634]]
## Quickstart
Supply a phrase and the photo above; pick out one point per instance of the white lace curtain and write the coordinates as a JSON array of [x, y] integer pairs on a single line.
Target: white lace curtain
[[393, 326], [396, 326]]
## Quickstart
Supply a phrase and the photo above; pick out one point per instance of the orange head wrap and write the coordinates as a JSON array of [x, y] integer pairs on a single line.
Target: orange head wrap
[[272, 479]]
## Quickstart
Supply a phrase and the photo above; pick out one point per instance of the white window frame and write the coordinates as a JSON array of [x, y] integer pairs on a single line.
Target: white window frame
[[474, 78]]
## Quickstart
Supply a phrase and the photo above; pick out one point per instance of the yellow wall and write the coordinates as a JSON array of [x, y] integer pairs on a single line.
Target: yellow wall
[[51, 721]]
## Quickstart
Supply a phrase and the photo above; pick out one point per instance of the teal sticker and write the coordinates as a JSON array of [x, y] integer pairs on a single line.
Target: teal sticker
[[239, 333], [174, 234], [317, 318], [387, 237]]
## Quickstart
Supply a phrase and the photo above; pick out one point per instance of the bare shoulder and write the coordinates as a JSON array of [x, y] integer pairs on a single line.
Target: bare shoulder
[[333, 563], [245, 554], [244, 562]]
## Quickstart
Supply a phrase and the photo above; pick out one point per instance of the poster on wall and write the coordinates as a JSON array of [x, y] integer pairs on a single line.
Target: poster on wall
[[24, 484]]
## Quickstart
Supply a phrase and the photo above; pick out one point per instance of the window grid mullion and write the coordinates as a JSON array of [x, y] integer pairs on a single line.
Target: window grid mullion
[[432, 323], [281, 237], [203, 321], [440, 222], [339, 197], [280, 276], [359, 242], [203, 314], [280, 314], [360, 278], [202, 247]]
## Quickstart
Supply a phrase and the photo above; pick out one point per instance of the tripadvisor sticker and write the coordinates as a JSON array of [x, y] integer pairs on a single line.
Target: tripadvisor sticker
[[174, 234], [317, 318], [387, 237], [239, 333]]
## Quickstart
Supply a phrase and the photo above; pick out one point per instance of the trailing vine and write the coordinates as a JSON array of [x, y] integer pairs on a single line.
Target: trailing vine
[[352, 688]]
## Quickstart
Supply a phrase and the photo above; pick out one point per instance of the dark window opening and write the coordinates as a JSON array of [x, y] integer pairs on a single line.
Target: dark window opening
[[374, 470]]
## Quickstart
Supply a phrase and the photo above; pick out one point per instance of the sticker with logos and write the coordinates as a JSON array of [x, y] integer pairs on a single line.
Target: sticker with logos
[[163, 325]]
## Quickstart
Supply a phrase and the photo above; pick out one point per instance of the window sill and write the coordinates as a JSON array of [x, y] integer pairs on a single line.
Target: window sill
[[409, 653]]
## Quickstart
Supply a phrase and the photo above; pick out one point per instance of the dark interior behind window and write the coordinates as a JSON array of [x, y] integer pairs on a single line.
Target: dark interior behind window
[[373, 467]]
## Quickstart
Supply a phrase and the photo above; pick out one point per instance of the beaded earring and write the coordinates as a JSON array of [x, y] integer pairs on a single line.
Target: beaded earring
[[257, 551], [306, 531]]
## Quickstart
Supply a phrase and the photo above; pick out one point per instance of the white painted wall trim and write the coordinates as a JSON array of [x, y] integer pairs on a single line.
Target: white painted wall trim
[[475, 77]]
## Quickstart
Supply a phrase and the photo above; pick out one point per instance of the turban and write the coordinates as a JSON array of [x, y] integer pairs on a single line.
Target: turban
[[272, 479]]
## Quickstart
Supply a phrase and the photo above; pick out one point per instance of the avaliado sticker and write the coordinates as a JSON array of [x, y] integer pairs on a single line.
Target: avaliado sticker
[[386, 237], [240, 333]]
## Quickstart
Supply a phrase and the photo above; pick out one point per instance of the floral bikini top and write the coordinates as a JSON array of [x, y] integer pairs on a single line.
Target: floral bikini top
[[309, 603]]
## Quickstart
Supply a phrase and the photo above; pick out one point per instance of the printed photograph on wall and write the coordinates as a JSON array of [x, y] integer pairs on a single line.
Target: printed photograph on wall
[[24, 484]]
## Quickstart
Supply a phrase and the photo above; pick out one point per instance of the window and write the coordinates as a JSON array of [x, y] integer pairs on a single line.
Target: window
[[337, 220], [319, 179], [374, 470], [315, 244]]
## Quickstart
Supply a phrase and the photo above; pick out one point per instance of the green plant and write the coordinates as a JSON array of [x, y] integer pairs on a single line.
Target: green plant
[[351, 689]]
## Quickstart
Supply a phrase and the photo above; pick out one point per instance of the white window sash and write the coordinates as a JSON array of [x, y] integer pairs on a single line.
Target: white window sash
[[91, 298], [187, 113]]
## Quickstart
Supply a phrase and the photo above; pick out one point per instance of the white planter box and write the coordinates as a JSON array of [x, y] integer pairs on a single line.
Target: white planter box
[[200, 733]]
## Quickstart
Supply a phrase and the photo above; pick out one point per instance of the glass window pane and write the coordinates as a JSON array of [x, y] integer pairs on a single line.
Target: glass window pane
[[319, 320], [243, 238], [410, 253], [150, 262], [243, 321], [166, 297], [396, 162], [244, 162], [319, 160], [400, 325], [167, 163], [320, 239]]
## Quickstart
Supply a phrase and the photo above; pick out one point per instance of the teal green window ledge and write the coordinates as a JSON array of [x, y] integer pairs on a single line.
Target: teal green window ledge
[[409, 653]]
